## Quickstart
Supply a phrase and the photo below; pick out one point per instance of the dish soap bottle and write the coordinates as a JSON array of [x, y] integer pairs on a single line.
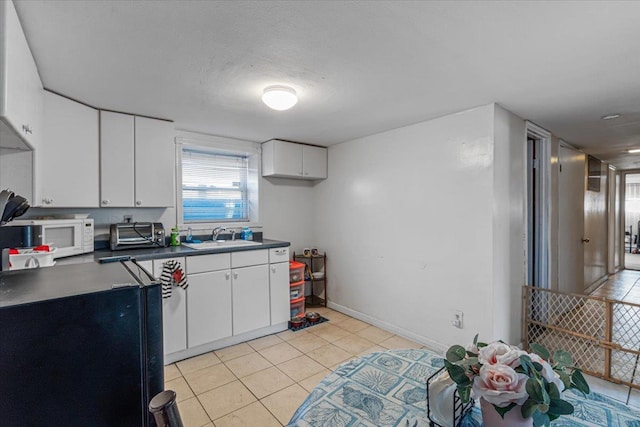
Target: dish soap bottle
[[175, 236]]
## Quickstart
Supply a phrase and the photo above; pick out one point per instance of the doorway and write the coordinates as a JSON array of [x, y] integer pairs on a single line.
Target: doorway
[[538, 213], [631, 190]]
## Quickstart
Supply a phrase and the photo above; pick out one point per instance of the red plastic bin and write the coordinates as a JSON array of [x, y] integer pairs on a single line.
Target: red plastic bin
[[297, 307], [296, 271]]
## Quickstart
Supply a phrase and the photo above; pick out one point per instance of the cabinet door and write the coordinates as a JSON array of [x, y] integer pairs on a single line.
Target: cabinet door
[[250, 298], [116, 159], [174, 313], [16, 50], [279, 292], [154, 163], [209, 303], [69, 168], [314, 162], [287, 158]]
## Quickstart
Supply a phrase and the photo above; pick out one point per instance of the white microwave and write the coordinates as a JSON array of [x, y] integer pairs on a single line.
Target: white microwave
[[69, 236]]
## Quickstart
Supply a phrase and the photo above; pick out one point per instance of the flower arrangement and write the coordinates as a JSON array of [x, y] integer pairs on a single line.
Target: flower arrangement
[[508, 378]]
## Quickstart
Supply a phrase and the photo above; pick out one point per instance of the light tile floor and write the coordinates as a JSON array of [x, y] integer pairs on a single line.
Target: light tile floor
[[262, 382]]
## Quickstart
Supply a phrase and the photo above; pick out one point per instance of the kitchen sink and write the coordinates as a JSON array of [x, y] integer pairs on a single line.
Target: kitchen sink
[[212, 244]]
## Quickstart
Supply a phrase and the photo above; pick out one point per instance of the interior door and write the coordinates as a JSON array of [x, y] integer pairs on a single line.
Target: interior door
[[571, 221]]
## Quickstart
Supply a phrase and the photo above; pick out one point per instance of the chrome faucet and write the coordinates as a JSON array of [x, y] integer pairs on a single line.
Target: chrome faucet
[[216, 231]]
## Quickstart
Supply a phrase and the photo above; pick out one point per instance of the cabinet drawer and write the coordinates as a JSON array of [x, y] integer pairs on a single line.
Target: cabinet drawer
[[278, 255], [247, 258], [212, 262]]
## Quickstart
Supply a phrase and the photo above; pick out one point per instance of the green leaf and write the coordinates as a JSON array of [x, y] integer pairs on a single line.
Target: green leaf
[[560, 407], [578, 381], [566, 379], [475, 339], [535, 391], [464, 392], [540, 350], [562, 358], [554, 393], [457, 373], [540, 419], [528, 408], [525, 363], [504, 410], [456, 353]]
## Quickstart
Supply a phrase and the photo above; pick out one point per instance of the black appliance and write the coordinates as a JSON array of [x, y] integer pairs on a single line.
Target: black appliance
[[132, 235], [81, 346]]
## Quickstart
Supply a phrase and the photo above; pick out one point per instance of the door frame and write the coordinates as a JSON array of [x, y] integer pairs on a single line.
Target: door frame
[[542, 237], [623, 211]]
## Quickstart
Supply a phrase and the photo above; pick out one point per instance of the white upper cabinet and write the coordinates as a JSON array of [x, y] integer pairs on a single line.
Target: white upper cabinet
[[314, 162], [154, 163], [291, 160], [68, 172], [137, 160], [116, 160], [21, 93]]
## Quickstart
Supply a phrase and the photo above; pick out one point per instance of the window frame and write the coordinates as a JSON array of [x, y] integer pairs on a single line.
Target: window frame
[[228, 146]]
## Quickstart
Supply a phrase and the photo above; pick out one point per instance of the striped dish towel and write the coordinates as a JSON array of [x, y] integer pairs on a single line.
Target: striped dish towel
[[172, 275]]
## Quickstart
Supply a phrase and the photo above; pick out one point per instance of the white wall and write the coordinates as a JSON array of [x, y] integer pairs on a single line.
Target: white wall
[[509, 223], [287, 212], [407, 219]]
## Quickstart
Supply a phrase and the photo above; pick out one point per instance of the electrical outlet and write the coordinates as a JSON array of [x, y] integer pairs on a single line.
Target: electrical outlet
[[457, 319]]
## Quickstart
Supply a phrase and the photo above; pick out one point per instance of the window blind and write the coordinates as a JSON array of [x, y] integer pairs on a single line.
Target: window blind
[[214, 186]]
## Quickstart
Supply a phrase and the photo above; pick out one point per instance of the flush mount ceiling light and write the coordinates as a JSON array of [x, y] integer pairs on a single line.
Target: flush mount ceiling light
[[279, 97], [610, 117]]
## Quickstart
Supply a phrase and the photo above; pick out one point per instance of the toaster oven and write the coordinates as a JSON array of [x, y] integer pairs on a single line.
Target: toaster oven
[[132, 235]]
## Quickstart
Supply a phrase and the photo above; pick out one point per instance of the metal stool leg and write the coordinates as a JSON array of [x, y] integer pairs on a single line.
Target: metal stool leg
[[165, 410]]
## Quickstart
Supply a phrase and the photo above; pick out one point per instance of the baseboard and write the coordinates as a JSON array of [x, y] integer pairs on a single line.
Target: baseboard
[[433, 345], [596, 284], [224, 342]]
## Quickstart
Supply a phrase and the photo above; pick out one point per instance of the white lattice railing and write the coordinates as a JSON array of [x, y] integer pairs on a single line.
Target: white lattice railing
[[602, 335]]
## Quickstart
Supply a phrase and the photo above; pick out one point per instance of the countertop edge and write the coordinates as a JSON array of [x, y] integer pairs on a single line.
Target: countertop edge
[[107, 256]]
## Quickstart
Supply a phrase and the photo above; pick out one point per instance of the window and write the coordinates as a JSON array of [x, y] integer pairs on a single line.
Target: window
[[214, 186]]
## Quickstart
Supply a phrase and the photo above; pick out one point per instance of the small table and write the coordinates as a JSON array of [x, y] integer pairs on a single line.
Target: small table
[[389, 389]]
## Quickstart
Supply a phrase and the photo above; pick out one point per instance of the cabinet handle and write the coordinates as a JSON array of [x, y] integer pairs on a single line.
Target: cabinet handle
[[227, 276], [105, 202], [47, 201], [235, 275], [273, 269], [26, 129], [139, 203]]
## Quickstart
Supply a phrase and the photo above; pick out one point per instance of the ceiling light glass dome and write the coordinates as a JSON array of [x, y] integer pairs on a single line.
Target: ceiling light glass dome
[[279, 97]]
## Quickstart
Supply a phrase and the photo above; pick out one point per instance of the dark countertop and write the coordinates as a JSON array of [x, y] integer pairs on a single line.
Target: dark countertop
[[39, 284], [106, 256], [94, 272]]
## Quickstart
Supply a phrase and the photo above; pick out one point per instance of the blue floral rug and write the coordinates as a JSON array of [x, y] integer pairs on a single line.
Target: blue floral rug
[[389, 389]]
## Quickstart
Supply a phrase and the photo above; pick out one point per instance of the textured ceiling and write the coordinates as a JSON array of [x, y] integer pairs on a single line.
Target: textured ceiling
[[359, 67]]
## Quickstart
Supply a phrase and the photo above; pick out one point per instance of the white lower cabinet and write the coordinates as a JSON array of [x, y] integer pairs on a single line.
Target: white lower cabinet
[[174, 313], [279, 292], [231, 297], [208, 307], [250, 298]]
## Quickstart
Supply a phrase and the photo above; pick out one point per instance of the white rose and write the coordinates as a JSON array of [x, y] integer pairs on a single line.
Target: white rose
[[547, 372], [492, 353], [500, 385]]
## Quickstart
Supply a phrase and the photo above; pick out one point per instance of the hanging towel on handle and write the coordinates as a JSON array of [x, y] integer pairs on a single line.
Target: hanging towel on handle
[[172, 275]]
